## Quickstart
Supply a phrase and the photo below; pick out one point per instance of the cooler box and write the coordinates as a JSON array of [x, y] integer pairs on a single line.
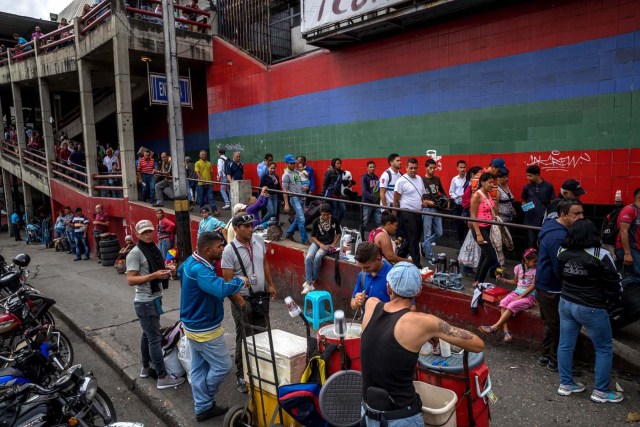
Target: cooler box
[[351, 345], [451, 377], [291, 358], [495, 294]]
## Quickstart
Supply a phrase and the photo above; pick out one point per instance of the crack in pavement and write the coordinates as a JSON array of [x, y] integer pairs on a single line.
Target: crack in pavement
[[126, 323]]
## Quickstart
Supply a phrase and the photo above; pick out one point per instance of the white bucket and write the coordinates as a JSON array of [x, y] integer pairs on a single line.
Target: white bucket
[[438, 404]]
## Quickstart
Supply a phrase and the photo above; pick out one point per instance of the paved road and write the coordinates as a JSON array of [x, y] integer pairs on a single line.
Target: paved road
[[99, 304]]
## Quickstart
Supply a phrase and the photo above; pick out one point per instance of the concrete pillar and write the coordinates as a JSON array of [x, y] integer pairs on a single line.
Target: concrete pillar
[[8, 197], [2, 121], [47, 127], [17, 106], [124, 113], [88, 120], [28, 201], [240, 191]]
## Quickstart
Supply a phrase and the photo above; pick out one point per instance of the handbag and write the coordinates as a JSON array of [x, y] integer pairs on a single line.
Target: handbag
[[469, 252], [259, 301]]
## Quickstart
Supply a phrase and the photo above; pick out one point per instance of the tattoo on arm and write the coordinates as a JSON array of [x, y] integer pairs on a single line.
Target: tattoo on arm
[[452, 331]]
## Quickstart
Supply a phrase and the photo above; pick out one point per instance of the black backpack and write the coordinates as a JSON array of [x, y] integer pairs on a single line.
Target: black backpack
[[609, 230]]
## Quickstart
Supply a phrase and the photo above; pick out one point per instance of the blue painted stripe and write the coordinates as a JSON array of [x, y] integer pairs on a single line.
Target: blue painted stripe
[[601, 66]]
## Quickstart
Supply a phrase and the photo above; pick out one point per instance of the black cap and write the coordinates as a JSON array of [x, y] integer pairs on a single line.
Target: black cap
[[573, 186], [241, 219], [205, 209]]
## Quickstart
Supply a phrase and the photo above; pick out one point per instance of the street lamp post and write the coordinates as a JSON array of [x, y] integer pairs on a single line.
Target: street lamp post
[[176, 136]]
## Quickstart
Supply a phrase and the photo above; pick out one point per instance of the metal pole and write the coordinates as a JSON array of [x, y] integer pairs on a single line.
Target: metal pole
[[176, 137]]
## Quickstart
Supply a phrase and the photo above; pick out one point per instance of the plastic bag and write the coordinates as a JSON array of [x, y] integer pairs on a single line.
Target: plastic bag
[[172, 363], [184, 355], [469, 252]]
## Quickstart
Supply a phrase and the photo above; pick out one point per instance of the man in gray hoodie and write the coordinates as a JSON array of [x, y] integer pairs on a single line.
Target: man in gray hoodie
[[549, 277]]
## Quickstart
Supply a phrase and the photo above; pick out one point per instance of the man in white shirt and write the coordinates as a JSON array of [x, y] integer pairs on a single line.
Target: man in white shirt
[[456, 190], [388, 180], [408, 194], [222, 177]]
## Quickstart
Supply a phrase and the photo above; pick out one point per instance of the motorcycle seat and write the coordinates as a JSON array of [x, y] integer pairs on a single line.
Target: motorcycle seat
[[10, 372]]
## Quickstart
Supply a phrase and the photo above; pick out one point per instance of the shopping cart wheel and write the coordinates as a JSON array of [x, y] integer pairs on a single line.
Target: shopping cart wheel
[[237, 416]]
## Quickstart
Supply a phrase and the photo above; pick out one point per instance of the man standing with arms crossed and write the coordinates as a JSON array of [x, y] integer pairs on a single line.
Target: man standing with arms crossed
[[456, 191], [549, 277], [201, 312], [202, 169], [291, 183], [245, 256], [431, 225]]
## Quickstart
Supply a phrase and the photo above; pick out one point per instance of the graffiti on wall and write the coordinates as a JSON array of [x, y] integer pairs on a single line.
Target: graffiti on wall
[[232, 147], [556, 161]]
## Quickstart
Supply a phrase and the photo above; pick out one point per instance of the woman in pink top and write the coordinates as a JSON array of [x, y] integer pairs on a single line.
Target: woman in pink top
[[483, 207]]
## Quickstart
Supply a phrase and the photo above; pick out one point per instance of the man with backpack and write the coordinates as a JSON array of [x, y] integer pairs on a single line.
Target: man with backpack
[[628, 240], [388, 180], [370, 194]]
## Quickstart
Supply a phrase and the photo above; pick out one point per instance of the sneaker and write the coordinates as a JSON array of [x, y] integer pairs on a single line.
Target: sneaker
[[607, 396], [226, 207], [543, 360], [145, 372], [241, 385], [307, 287], [423, 254], [77, 259], [552, 366], [169, 381], [87, 258], [157, 204], [566, 390], [214, 411]]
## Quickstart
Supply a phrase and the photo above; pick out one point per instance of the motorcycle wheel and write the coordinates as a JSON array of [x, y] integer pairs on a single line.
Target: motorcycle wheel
[[47, 319], [65, 350], [102, 411]]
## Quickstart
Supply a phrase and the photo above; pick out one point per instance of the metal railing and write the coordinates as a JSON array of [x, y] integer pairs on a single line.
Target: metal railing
[[114, 184], [71, 173], [43, 45], [97, 15], [34, 158], [157, 17], [10, 149], [23, 51]]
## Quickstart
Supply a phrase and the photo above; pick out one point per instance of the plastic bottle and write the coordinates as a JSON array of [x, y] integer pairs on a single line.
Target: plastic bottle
[[441, 263], [426, 349], [445, 348], [339, 324], [454, 266], [294, 309]]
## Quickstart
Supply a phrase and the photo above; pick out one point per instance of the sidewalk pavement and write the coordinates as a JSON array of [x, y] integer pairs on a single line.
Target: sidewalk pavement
[[98, 304]]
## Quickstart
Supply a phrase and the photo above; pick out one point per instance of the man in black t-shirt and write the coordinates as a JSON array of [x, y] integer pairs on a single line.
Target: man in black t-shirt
[[325, 234], [431, 225], [536, 198]]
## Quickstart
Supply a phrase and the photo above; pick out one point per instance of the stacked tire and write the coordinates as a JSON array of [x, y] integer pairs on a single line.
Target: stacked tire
[[109, 249]]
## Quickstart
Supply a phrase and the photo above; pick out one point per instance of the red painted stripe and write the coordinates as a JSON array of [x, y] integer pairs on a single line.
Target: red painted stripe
[[236, 80]]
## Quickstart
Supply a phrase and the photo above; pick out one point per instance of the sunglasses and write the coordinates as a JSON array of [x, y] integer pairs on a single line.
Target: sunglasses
[[246, 218]]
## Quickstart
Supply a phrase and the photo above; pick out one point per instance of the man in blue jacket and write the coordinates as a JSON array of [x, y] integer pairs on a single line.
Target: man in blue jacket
[[201, 312], [549, 277]]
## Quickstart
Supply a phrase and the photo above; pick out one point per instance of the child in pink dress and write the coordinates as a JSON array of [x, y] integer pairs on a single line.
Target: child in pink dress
[[522, 298]]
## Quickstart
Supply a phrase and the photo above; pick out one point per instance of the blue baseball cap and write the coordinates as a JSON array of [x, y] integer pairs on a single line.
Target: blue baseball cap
[[289, 158], [405, 279], [500, 164]]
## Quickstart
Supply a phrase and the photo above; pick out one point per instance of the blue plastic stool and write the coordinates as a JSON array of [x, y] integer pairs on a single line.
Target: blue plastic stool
[[315, 308]]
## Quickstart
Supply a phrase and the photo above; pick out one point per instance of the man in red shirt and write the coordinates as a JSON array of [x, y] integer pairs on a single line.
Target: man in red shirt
[[146, 165], [628, 241], [166, 230], [100, 225]]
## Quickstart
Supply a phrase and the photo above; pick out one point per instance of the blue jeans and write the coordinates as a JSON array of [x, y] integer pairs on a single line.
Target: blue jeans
[[416, 420], [296, 204], [224, 190], [629, 272], [151, 341], [596, 322], [312, 262], [81, 242], [431, 231], [71, 239], [272, 210], [367, 212], [206, 191], [148, 187], [210, 364], [164, 246]]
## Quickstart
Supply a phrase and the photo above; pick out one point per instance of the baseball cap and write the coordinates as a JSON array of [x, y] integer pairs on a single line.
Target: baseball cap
[[238, 207], [242, 219], [143, 226], [205, 209], [573, 186], [405, 279], [289, 158], [500, 164]]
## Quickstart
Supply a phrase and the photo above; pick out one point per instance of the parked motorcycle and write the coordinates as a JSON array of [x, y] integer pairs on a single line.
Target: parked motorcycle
[[39, 390]]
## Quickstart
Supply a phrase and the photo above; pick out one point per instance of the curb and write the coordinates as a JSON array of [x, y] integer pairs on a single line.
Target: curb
[[161, 407]]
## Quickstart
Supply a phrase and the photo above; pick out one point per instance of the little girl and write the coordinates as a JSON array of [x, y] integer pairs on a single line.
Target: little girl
[[522, 298]]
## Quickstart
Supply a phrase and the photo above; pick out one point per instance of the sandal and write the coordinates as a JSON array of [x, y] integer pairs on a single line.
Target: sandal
[[487, 330], [507, 337]]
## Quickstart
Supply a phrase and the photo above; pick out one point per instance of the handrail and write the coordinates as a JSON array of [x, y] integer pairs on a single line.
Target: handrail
[[159, 16], [37, 164], [95, 10], [70, 169], [97, 22], [10, 148], [58, 31], [69, 178], [56, 42], [24, 53], [185, 8], [106, 176], [34, 153]]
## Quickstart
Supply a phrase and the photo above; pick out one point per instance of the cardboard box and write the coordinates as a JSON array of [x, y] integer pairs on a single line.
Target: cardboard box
[[290, 358], [495, 294]]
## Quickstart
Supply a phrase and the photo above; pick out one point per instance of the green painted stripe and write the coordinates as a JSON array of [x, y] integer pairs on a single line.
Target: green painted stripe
[[600, 122]]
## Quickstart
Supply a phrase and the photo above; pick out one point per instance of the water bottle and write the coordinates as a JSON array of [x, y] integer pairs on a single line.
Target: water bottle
[[445, 348], [454, 266], [294, 309], [339, 324], [441, 263]]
